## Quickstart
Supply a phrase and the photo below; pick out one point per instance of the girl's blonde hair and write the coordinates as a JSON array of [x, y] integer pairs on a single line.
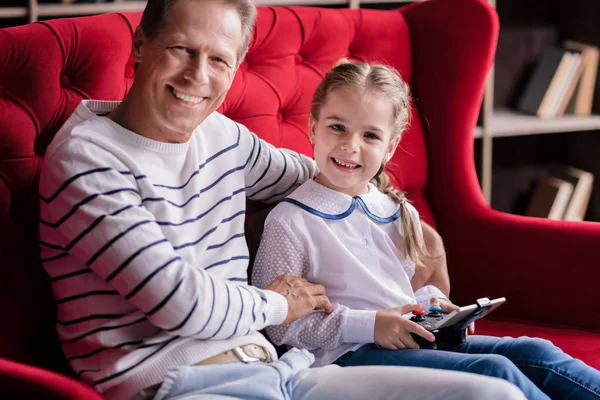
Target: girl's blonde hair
[[387, 82]]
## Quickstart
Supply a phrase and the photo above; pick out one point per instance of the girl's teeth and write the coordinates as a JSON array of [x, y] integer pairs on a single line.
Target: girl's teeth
[[344, 164]]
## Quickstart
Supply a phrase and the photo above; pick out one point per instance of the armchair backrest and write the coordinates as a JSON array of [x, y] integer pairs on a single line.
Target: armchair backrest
[[48, 67]]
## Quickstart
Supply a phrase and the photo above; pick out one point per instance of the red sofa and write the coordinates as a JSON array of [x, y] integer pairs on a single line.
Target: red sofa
[[444, 48]]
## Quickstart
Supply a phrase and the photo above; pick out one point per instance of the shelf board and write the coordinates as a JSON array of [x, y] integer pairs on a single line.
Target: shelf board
[[13, 12], [507, 123], [65, 10]]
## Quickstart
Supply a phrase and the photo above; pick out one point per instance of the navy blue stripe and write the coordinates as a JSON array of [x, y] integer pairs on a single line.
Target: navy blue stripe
[[71, 179], [210, 231], [278, 179], [102, 329], [113, 240], [45, 260], [263, 174], [226, 261], [254, 140], [226, 313], [257, 154], [147, 199], [375, 217], [216, 246], [96, 222], [131, 258], [100, 350], [87, 294], [86, 370], [136, 177], [212, 307], [83, 202], [201, 166], [165, 300], [319, 213], [89, 318], [253, 302], [50, 245], [264, 317], [287, 189], [147, 279], [238, 279], [187, 221], [241, 312], [70, 274], [185, 320], [108, 378]]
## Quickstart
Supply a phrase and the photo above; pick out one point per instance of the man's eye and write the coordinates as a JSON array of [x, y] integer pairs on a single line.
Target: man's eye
[[180, 49]]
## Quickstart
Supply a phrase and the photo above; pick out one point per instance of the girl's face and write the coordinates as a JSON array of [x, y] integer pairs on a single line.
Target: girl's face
[[352, 139]]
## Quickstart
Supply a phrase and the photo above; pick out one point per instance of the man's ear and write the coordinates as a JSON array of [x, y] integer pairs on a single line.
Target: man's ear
[[137, 49]]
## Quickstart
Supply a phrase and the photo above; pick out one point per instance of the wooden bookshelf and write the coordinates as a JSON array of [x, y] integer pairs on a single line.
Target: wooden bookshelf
[[507, 123]]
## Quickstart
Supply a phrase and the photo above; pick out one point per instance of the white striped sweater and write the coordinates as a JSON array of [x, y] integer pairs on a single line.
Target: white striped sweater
[[144, 244]]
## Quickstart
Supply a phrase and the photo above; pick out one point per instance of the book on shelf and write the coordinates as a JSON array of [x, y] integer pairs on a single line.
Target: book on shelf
[[563, 194], [583, 96], [550, 198], [583, 184], [562, 81]]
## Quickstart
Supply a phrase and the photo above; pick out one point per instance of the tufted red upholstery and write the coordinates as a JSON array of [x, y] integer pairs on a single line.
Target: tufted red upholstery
[[444, 48]]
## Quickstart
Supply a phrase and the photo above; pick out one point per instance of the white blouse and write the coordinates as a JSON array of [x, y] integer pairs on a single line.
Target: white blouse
[[351, 245]]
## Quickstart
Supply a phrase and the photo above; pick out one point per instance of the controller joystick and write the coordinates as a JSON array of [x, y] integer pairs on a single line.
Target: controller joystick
[[435, 311], [418, 315]]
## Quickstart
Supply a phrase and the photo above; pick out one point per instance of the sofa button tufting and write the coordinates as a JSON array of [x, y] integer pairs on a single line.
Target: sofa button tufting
[[64, 81], [279, 117], [299, 59], [129, 72]]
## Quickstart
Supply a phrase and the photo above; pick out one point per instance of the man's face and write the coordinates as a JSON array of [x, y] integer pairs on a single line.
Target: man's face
[[185, 71]]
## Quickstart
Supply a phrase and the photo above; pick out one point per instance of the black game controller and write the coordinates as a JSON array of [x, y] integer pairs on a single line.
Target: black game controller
[[450, 330]]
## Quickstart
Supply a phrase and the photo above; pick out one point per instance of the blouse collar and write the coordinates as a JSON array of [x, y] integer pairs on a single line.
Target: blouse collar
[[330, 204]]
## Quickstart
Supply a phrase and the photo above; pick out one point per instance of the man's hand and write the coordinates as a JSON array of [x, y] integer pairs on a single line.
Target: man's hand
[[392, 332], [301, 295], [447, 307]]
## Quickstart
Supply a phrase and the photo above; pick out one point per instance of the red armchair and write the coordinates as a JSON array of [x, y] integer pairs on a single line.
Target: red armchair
[[444, 48]]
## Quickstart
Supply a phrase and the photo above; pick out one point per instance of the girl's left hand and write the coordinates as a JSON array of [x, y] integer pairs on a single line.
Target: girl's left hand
[[447, 307]]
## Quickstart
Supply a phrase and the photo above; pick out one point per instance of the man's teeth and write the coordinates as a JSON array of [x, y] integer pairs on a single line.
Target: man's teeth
[[187, 98], [343, 164]]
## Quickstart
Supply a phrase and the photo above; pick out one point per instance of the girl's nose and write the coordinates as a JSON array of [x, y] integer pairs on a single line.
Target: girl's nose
[[350, 144]]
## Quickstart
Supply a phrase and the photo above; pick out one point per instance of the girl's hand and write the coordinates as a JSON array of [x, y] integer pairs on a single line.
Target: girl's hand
[[392, 332], [447, 307]]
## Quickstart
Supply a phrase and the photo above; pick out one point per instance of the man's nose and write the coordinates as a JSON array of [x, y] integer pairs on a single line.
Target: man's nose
[[197, 71]]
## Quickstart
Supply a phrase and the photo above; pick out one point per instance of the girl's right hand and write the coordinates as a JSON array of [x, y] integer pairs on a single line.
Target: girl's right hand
[[392, 332]]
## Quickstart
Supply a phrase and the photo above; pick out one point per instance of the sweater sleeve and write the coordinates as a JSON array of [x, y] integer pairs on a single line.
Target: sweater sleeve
[[280, 252], [91, 209], [273, 173]]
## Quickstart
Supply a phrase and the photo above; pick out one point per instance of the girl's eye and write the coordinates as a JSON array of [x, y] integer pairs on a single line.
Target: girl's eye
[[338, 127], [371, 136]]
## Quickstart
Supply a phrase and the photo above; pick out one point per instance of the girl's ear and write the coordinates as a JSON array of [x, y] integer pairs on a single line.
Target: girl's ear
[[312, 126], [138, 44], [391, 150]]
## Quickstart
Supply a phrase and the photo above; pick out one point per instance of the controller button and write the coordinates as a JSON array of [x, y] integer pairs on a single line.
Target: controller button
[[435, 308], [419, 312]]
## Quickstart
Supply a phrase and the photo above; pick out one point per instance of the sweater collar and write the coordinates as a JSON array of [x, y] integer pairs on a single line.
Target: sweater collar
[[330, 204]]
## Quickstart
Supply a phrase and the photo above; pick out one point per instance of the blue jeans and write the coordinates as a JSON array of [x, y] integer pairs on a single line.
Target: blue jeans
[[540, 369], [290, 378]]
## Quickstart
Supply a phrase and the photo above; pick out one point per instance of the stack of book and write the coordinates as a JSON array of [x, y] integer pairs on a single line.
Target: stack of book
[[563, 81], [564, 194]]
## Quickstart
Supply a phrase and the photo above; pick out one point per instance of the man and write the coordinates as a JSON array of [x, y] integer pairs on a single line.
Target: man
[[141, 232]]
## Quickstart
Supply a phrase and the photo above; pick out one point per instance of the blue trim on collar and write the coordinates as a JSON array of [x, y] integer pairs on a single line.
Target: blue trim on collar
[[355, 200], [374, 217], [319, 213]]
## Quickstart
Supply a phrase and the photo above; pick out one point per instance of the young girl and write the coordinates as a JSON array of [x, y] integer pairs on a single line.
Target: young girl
[[350, 231]]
